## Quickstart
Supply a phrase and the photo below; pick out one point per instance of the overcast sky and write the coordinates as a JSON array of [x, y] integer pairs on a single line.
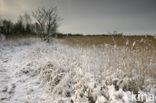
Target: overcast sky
[[92, 16]]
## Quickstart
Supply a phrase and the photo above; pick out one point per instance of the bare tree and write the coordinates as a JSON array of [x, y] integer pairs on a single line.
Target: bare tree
[[0, 21], [7, 27], [47, 20], [51, 20], [27, 19], [40, 18]]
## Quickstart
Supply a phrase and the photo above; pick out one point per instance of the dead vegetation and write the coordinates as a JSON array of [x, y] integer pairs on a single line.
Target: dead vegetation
[[148, 42]]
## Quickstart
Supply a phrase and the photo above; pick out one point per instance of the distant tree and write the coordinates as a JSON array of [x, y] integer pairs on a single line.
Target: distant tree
[[26, 19], [40, 18], [0, 21], [47, 20], [36, 28], [27, 22], [46, 24], [19, 27], [0, 25], [7, 27], [51, 20], [28, 28]]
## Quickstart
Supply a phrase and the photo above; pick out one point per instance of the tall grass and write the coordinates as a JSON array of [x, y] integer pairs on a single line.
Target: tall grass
[[85, 74], [80, 73]]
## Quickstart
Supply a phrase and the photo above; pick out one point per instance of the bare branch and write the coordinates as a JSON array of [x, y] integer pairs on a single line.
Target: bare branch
[[47, 19]]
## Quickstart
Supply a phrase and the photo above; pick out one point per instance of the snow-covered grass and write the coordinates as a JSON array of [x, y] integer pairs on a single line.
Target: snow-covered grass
[[59, 73]]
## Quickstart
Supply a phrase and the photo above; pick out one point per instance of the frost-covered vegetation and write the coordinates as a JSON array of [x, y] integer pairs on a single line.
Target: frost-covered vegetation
[[39, 72]]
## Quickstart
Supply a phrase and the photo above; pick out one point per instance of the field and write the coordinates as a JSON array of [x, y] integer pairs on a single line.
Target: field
[[119, 40], [78, 69]]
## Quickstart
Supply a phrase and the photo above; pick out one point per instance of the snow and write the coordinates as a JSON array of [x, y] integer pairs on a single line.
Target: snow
[[32, 71]]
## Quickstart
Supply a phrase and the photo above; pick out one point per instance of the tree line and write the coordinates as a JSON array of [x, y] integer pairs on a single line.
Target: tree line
[[42, 21], [22, 26]]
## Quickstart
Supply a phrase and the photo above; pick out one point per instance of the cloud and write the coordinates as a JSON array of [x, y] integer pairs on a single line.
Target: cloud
[[91, 16]]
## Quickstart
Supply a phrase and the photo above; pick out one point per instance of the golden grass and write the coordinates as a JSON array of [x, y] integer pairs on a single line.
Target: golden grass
[[145, 47], [128, 41]]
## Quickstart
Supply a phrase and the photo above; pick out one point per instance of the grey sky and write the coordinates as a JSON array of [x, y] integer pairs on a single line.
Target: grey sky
[[92, 16]]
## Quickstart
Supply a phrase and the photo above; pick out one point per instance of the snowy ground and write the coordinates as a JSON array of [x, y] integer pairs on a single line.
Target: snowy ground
[[32, 71]]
